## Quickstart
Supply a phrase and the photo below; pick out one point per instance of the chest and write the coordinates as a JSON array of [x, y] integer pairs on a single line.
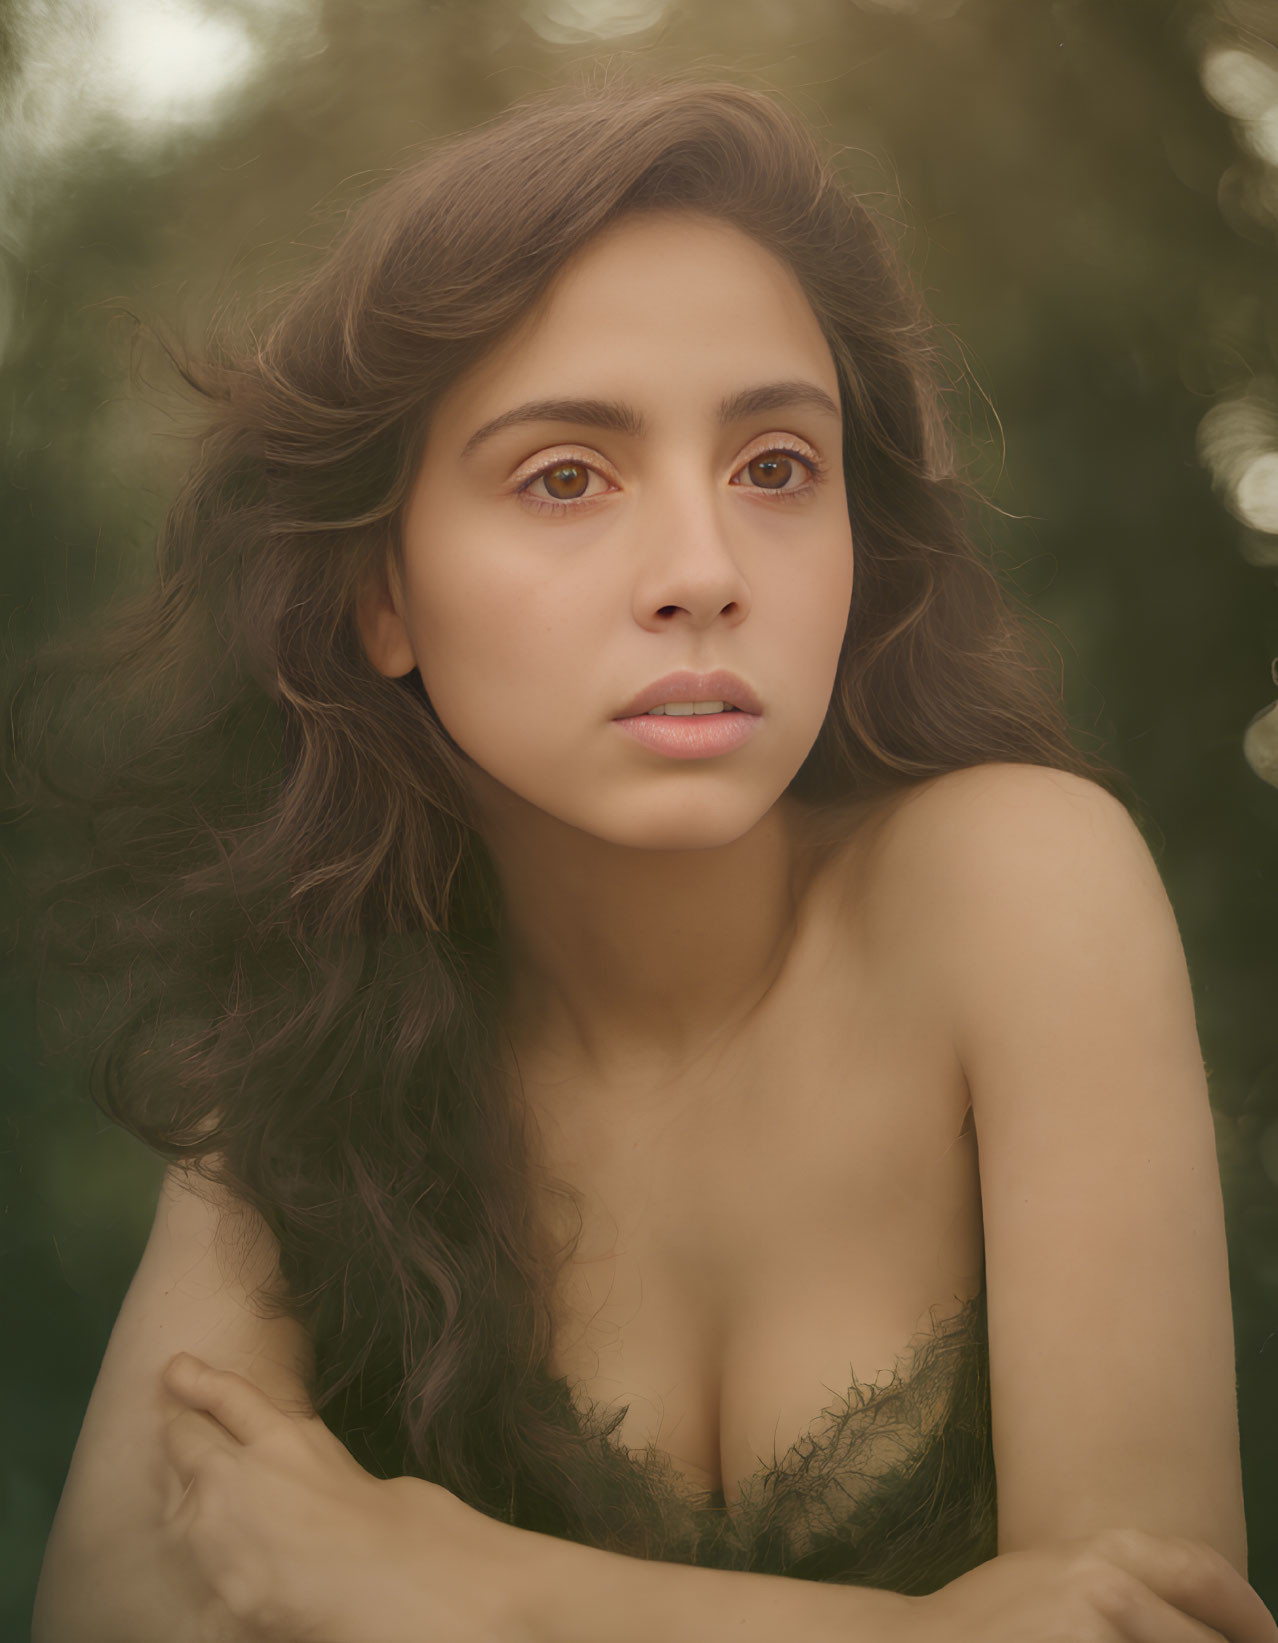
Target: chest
[[755, 1238]]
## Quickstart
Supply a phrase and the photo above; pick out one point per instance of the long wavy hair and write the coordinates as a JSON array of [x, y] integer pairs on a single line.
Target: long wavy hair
[[267, 870]]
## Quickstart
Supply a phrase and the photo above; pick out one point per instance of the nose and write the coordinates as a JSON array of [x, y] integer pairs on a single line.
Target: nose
[[688, 563]]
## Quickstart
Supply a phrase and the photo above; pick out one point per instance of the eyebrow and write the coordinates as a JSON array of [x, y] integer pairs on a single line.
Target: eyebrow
[[624, 419]]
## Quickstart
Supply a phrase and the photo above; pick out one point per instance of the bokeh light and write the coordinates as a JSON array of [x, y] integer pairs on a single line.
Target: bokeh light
[[575, 22], [1268, 1150], [1238, 441], [1088, 194], [1260, 744], [129, 70], [1256, 493]]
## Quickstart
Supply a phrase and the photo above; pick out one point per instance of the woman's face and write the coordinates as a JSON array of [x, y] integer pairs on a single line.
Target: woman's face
[[556, 565]]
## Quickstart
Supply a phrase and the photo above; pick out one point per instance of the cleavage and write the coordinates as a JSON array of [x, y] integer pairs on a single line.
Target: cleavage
[[726, 1320], [753, 1241]]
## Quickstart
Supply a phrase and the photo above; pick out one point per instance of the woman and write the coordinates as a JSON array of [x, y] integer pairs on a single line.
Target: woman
[[598, 849]]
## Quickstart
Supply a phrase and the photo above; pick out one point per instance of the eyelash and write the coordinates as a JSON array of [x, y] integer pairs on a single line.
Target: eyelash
[[544, 504]]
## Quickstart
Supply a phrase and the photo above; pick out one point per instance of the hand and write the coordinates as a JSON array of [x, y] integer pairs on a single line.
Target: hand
[[1119, 1586], [296, 1541]]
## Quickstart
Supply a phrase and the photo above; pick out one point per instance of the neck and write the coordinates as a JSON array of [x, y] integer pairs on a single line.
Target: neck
[[634, 962]]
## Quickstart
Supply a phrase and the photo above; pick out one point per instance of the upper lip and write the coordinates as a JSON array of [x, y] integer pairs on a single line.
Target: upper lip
[[719, 686]]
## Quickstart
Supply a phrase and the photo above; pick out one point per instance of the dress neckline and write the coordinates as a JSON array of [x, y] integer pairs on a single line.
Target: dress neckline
[[861, 1436]]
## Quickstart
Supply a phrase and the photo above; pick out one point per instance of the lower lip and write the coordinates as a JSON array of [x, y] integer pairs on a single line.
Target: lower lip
[[690, 735]]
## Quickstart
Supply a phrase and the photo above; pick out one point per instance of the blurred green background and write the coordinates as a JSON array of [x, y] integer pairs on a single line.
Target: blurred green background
[[1088, 192]]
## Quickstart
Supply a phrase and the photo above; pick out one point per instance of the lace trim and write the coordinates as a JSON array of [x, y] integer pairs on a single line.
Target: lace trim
[[887, 1485]]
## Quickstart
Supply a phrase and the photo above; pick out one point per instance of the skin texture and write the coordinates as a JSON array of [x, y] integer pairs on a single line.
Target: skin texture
[[699, 995], [292, 1539], [624, 870]]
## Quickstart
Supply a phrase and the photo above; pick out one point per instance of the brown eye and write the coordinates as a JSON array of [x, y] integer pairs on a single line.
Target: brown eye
[[566, 480], [771, 471]]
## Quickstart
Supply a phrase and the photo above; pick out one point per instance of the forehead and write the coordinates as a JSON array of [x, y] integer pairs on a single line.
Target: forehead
[[673, 302], [679, 268], [639, 245]]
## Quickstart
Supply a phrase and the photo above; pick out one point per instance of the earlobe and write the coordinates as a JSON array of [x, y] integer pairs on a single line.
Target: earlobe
[[381, 627]]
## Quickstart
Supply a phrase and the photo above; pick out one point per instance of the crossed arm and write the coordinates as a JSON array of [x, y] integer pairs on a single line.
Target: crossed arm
[[1111, 1338], [296, 1542]]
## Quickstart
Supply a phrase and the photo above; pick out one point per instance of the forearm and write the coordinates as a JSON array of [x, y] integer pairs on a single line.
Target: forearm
[[576, 1594], [121, 1591]]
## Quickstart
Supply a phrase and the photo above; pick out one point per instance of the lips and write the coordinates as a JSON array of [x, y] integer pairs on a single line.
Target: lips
[[684, 686]]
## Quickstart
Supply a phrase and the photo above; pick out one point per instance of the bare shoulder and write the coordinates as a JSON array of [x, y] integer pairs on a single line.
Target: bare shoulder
[[1055, 951], [198, 1288], [934, 867], [943, 820], [994, 863]]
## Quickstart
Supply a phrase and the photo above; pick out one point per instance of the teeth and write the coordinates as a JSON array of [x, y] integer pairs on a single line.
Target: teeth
[[677, 710]]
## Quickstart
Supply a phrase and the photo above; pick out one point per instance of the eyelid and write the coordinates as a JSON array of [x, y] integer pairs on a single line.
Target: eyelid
[[558, 454], [591, 459], [778, 441]]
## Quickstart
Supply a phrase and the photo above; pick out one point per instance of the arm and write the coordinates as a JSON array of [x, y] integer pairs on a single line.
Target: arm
[[1110, 1324], [1116, 1587], [297, 1541], [576, 1594], [1111, 1337], [1099, 1187], [108, 1574]]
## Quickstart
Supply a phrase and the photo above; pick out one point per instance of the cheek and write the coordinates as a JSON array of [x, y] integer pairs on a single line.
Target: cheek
[[810, 616], [815, 643], [497, 648]]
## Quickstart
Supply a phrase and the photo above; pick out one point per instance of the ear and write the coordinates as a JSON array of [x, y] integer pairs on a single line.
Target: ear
[[378, 615]]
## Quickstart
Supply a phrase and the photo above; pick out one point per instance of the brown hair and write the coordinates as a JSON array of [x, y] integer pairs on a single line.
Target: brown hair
[[279, 880]]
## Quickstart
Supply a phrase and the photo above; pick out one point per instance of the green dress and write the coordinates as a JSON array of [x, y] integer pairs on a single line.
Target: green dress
[[890, 1486]]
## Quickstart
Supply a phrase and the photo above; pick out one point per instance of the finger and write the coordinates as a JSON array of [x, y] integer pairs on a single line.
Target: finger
[[1198, 1581], [191, 1436], [1142, 1617], [1161, 1623], [242, 1408]]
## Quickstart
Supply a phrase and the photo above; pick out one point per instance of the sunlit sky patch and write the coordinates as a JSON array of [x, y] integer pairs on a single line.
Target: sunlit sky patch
[[127, 74], [573, 22], [929, 8], [141, 64], [170, 63], [133, 70]]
